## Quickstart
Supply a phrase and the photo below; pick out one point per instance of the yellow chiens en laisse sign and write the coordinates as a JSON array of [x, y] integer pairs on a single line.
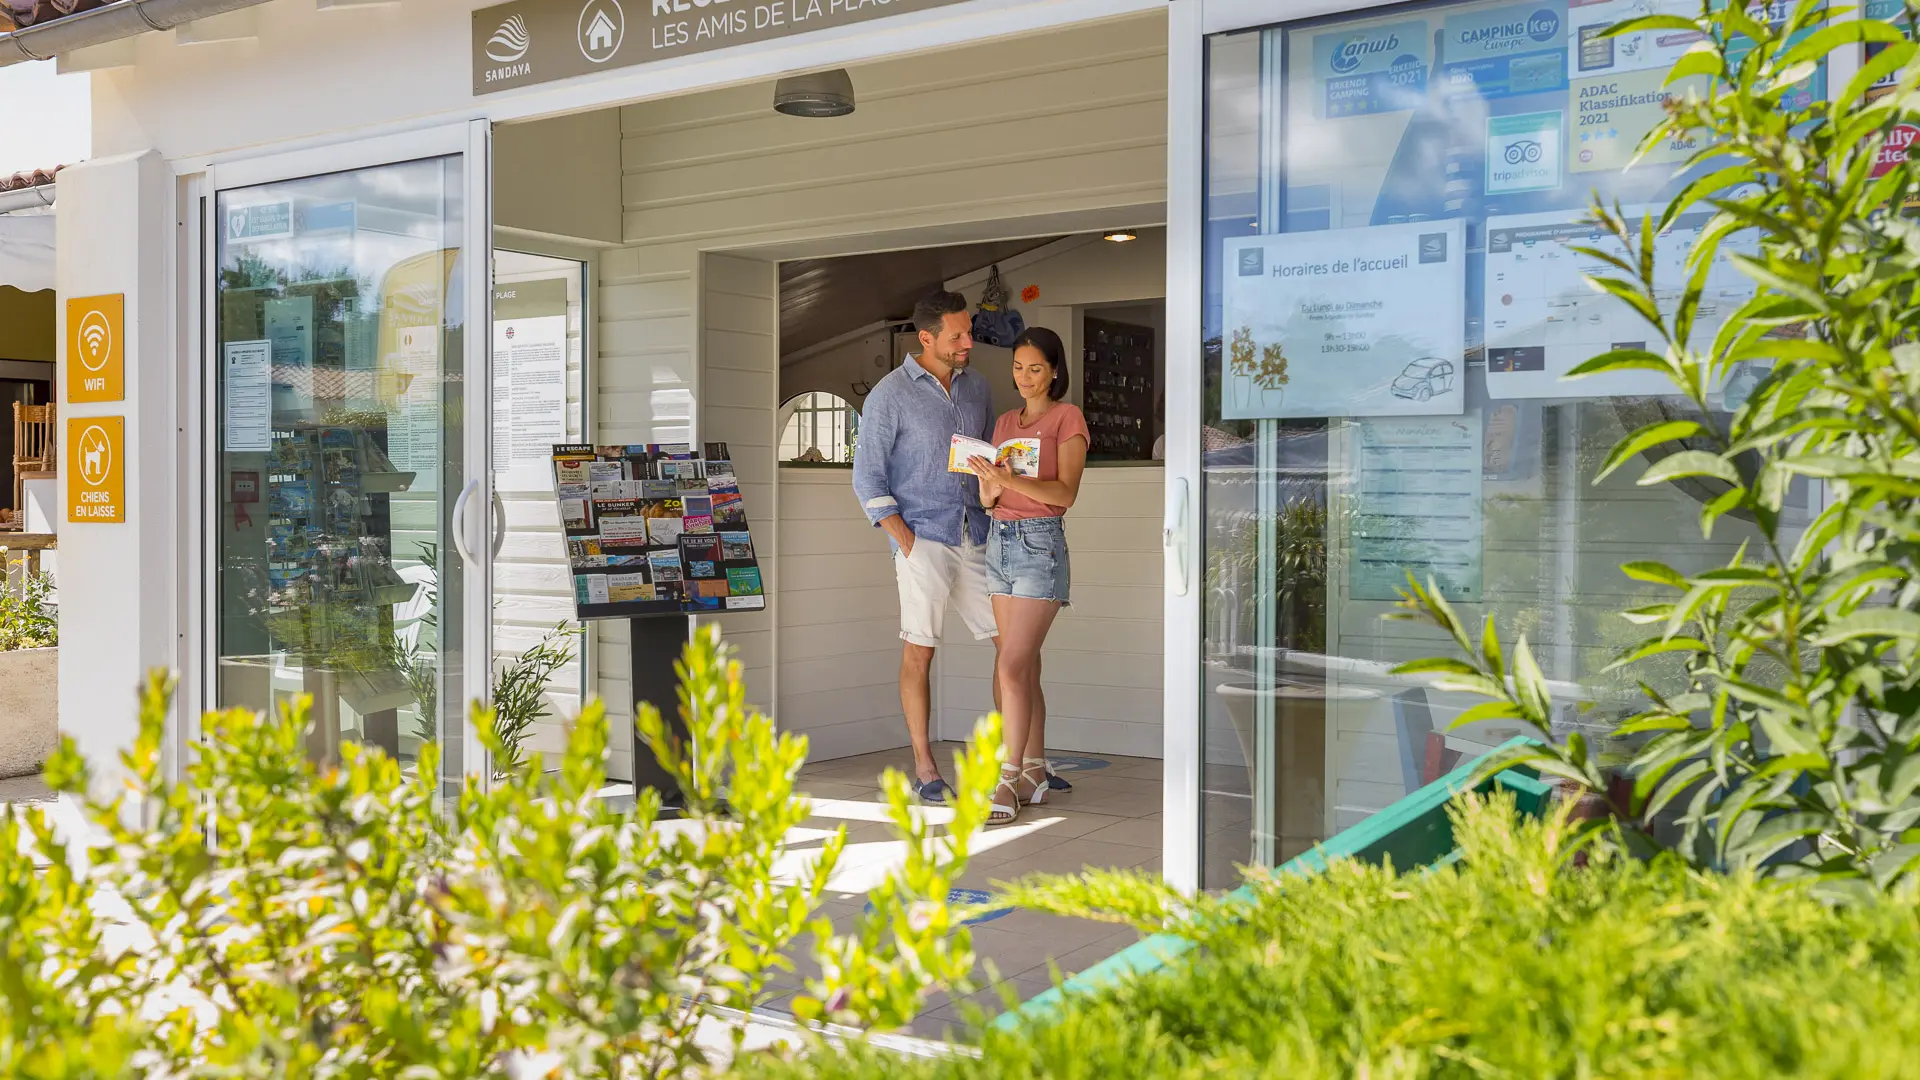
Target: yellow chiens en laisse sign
[[96, 468]]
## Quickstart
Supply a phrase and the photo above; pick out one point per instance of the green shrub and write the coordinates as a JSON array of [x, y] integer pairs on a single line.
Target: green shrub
[[271, 917], [27, 618], [1509, 963], [1791, 743]]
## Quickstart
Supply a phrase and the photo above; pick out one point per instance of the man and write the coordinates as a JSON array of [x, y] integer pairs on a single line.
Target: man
[[932, 516]]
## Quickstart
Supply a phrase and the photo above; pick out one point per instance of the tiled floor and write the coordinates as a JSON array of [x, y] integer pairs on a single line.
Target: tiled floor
[[1111, 819]]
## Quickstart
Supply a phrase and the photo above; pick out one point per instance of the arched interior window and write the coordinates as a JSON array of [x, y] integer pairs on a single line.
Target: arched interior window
[[818, 426]]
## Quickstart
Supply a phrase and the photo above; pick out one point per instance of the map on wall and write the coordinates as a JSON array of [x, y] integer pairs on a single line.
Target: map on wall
[[1543, 319], [1345, 322], [655, 530]]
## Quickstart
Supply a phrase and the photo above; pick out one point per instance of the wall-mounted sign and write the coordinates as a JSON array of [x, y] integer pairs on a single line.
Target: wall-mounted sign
[[529, 371], [96, 468], [96, 348], [528, 42]]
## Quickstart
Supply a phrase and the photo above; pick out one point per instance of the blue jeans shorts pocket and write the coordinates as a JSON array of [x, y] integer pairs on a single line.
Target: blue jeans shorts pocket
[[1028, 559]]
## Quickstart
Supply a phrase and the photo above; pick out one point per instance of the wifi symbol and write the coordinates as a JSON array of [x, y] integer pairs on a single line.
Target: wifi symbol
[[96, 339]]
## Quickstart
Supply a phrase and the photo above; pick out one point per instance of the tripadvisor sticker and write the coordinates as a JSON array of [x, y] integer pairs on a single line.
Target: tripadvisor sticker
[[1523, 152]]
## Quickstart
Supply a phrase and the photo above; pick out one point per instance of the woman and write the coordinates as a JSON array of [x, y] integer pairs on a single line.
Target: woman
[[1027, 555]]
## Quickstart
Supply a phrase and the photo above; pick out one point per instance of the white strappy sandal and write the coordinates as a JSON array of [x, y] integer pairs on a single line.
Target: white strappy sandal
[[1033, 771], [1008, 811]]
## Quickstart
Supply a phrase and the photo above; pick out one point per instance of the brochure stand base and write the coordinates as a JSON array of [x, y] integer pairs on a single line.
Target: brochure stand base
[[657, 642]]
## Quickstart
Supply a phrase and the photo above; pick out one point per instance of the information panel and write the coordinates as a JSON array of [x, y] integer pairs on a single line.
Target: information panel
[[655, 530], [1346, 322]]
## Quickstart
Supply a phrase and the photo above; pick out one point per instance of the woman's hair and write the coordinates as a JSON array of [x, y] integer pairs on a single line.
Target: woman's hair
[[1055, 353]]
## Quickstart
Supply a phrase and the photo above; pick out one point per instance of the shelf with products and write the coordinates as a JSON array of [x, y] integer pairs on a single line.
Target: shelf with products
[[329, 525], [1118, 388]]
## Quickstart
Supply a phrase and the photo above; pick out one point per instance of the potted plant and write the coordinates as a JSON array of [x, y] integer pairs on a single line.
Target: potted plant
[[29, 669]]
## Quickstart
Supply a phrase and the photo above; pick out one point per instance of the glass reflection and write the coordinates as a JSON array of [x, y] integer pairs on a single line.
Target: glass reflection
[[338, 349], [1470, 464]]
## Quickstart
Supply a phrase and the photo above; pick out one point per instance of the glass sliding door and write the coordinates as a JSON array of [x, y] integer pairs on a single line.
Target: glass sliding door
[[1389, 300], [341, 357]]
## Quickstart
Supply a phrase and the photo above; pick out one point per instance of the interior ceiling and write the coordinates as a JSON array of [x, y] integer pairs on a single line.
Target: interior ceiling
[[823, 298]]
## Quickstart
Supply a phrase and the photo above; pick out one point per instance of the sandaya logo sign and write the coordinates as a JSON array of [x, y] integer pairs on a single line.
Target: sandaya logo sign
[[510, 42], [508, 48]]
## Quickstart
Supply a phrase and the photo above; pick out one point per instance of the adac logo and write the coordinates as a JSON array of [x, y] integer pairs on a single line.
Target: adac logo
[[603, 26], [510, 42], [1543, 25], [1350, 53]]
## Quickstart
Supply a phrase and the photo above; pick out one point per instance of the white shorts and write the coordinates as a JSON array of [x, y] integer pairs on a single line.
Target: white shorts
[[936, 575]]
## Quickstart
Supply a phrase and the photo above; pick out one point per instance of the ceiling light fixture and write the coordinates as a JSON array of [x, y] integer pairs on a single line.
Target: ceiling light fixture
[[822, 93], [1119, 236]]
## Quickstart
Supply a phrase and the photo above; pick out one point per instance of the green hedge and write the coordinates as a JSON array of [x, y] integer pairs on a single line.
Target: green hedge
[[1509, 962]]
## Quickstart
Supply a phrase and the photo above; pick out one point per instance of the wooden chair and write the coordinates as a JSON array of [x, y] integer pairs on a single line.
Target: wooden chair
[[34, 450]]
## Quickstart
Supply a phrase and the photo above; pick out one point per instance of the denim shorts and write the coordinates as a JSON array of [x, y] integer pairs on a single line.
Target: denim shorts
[[1028, 559]]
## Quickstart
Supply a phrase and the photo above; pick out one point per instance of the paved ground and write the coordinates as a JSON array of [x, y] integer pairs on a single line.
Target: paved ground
[[1112, 819], [24, 789]]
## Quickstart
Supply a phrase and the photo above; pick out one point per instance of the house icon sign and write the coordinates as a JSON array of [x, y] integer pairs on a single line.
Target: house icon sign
[[600, 33], [603, 26]]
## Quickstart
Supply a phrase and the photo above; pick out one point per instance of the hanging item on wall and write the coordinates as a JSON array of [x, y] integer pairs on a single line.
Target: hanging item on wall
[[654, 530], [996, 323], [1029, 294]]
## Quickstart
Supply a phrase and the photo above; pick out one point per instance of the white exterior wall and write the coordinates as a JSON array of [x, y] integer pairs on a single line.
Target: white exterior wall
[[119, 602]]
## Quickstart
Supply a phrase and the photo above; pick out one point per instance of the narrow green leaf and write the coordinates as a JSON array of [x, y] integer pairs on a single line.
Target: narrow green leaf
[[1872, 622], [1689, 463]]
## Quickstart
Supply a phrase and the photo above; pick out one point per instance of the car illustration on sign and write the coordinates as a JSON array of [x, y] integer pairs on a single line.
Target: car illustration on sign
[[1424, 378]]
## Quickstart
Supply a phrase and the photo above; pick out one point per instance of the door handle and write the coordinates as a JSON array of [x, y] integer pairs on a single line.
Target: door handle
[[499, 524], [1173, 535], [462, 543]]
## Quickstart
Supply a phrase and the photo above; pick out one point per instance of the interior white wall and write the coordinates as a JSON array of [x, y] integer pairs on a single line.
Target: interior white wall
[[645, 374], [739, 398], [839, 619]]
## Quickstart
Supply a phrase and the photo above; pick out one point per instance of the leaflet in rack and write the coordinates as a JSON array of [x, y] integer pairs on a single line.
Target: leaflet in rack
[[655, 530]]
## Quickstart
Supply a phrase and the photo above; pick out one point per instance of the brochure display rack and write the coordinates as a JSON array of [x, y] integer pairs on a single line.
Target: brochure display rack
[[654, 534], [655, 530]]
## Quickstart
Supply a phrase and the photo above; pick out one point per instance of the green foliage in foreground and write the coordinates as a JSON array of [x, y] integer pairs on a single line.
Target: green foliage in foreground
[[27, 617], [271, 917], [1512, 963]]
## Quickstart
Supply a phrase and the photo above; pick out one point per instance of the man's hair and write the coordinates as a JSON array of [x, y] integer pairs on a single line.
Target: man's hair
[[930, 314]]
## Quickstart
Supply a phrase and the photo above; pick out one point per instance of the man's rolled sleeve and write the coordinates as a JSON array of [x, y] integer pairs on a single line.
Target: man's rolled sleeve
[[870, 455]]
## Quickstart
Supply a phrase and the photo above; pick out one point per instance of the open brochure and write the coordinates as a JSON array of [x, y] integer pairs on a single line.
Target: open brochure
[[1022, 456]]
